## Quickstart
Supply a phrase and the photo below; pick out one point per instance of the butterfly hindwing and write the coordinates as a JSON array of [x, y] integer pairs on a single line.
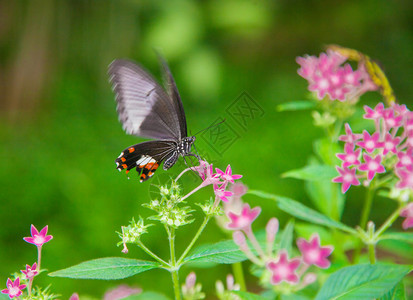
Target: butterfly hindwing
[[145, 157]]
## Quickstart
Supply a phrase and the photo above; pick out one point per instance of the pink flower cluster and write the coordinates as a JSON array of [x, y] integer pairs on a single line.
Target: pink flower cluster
[[219, 180], [14, 289], [389, 147], [328, 77], [281, 267]]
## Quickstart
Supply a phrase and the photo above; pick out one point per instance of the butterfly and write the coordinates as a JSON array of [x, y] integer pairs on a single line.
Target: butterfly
[[147, 110]]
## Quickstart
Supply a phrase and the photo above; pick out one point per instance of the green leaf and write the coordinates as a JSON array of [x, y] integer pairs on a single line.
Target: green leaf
[[312, 173], [296, 105], [108, 268], [362, 281], [399, 236], [286, 241], [248, 296], [147, 295], [396, 293], [225, 252], [303, 212]]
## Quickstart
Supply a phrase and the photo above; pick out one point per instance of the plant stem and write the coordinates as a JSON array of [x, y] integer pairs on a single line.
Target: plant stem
[[372, 253], [195, 238], [363, 220], [367, 208], [239, 275], [174, 269], [150, 253], [390, 220]]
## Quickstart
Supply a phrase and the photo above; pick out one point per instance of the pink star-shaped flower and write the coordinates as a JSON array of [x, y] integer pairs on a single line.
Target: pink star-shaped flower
[[284, 269], [350, 157], [370, 142], [243, 220], [37, 238], [14, 289], [221, 193], [206, 171], [350, 137], [321, 85], [375, 113], [348, 178], [227, 175], [391, 120], [313, 253], [372, 166], [405, 159], [351, 77], [407, 212], [30, 271], [406, 179], [390, 144]]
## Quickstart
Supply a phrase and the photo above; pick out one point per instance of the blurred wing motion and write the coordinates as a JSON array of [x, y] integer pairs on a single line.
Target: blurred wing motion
[[146, 110]]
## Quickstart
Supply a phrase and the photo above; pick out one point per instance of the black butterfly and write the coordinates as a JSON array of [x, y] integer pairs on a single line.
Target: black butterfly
[[147, 110]]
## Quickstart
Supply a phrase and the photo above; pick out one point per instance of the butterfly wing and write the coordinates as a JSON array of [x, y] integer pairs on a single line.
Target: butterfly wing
[[146, 157], [174, 96], [144, 108]]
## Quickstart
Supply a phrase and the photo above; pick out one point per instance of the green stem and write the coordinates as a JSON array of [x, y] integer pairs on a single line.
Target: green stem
[[174, 269], [195, 238], [149, 252], [239, 275], [390, 220], [363, 221], [367, 208], [372, 253]]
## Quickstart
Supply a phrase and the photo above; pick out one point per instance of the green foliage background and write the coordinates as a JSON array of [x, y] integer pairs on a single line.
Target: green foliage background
[[60, 133]]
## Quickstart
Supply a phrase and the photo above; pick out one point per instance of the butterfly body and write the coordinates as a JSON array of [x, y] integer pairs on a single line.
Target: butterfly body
[[146, 110]]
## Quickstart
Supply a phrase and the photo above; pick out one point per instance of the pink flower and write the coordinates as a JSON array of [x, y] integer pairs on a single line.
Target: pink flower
[[405, 159], [313, 253], [375, 113], [390, 144], [30, 271], [14, 289], [221, 193], [391, 120], [406, 179], [120, 292], [75, 296], [327, 76], [206, 171], [37, 238], [190, 280], [350, 157], [284, 269], [348, 178], [372, 166], [350, 137], [227, 175], [407, 212], [243, 220], [370, 142]]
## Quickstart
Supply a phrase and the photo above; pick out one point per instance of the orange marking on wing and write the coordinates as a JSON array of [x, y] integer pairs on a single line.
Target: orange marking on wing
[[125, 166], [127, 171], [148, 166], [123, 159], [143, 176], [131, 149]]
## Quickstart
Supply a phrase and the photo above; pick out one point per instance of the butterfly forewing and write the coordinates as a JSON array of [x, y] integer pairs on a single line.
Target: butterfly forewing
[[173, 93], [144, 108]]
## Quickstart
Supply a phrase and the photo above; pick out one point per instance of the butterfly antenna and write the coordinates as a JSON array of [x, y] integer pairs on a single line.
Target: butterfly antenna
[[211, 126]]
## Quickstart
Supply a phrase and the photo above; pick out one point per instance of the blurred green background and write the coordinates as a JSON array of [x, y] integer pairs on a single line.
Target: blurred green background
[[60, 133]]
